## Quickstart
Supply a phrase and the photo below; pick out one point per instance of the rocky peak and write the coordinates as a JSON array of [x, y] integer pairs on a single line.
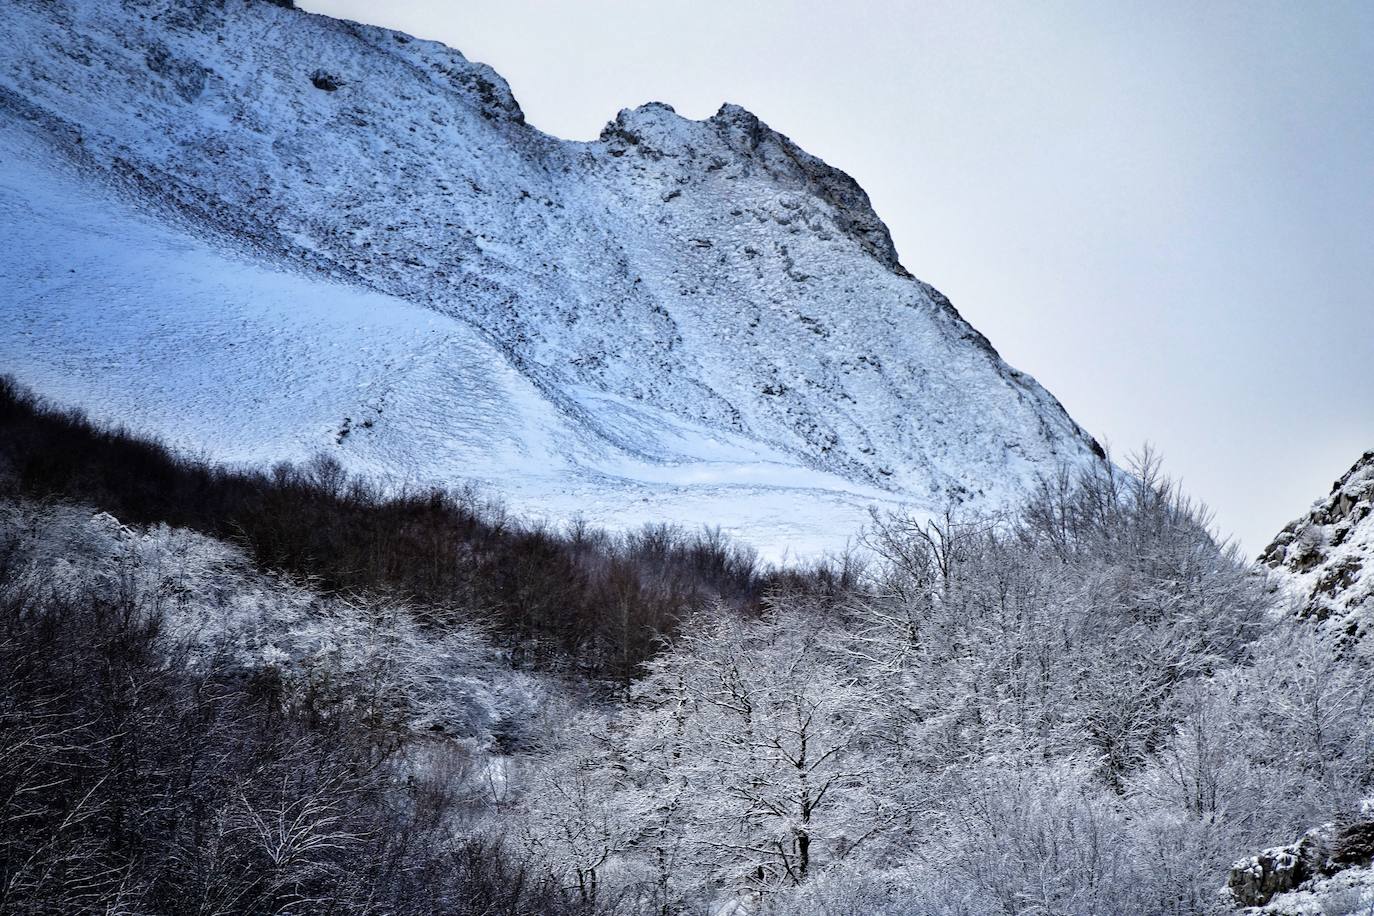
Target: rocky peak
[[746, 134], [734, 141]]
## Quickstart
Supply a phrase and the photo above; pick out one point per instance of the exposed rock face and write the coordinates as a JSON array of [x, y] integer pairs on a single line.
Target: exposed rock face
[[1325, 556]]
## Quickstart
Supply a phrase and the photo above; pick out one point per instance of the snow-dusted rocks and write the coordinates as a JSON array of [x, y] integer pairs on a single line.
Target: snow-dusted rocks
[[1325, 871], [1325, 557], [1346, 893], [682, 320], [1254, 880]]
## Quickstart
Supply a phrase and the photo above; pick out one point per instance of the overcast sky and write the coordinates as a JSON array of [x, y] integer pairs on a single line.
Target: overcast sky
[[1163, 211]]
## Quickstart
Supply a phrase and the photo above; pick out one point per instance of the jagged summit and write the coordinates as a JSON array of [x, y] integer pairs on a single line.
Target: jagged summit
[[737, 136], [678, 316]]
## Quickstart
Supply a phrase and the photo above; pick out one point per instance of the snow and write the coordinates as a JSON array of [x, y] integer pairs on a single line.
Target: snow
[[225, 357], [1324, 559], [1349, 892], [686, 321]]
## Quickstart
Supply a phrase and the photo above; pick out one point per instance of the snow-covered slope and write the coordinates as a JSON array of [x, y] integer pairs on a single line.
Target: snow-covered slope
[[224, 356], [1326, 558], [260, 232]]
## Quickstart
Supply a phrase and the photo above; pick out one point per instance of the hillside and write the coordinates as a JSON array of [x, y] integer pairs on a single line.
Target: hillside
[[261, 233]]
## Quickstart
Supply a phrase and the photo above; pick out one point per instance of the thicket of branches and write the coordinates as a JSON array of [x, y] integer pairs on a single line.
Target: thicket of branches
[[1089, 708], [143, 773]]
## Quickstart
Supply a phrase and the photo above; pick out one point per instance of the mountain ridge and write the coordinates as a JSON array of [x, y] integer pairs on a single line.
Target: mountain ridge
[[708, 271]]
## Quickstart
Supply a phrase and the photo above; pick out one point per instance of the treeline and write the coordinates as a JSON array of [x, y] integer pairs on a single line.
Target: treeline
[[574, 598]]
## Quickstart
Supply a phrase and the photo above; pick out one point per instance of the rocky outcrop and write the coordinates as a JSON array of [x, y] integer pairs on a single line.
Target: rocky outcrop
[[790, 164], [1255, 880], [1265, 879], [1325, 556]]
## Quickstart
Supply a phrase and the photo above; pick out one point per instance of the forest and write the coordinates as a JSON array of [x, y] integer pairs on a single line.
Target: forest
[[229, 691]]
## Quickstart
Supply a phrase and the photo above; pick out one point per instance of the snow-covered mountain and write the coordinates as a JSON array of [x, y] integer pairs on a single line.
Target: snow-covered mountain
[[1326, 558], [261, 233]]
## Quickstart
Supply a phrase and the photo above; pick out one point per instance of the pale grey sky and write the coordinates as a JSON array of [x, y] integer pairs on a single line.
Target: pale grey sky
[[1162, 210]]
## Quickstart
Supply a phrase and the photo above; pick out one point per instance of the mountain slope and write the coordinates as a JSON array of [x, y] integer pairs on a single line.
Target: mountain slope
[[680, 317], [226, 357], [1326, 557]]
